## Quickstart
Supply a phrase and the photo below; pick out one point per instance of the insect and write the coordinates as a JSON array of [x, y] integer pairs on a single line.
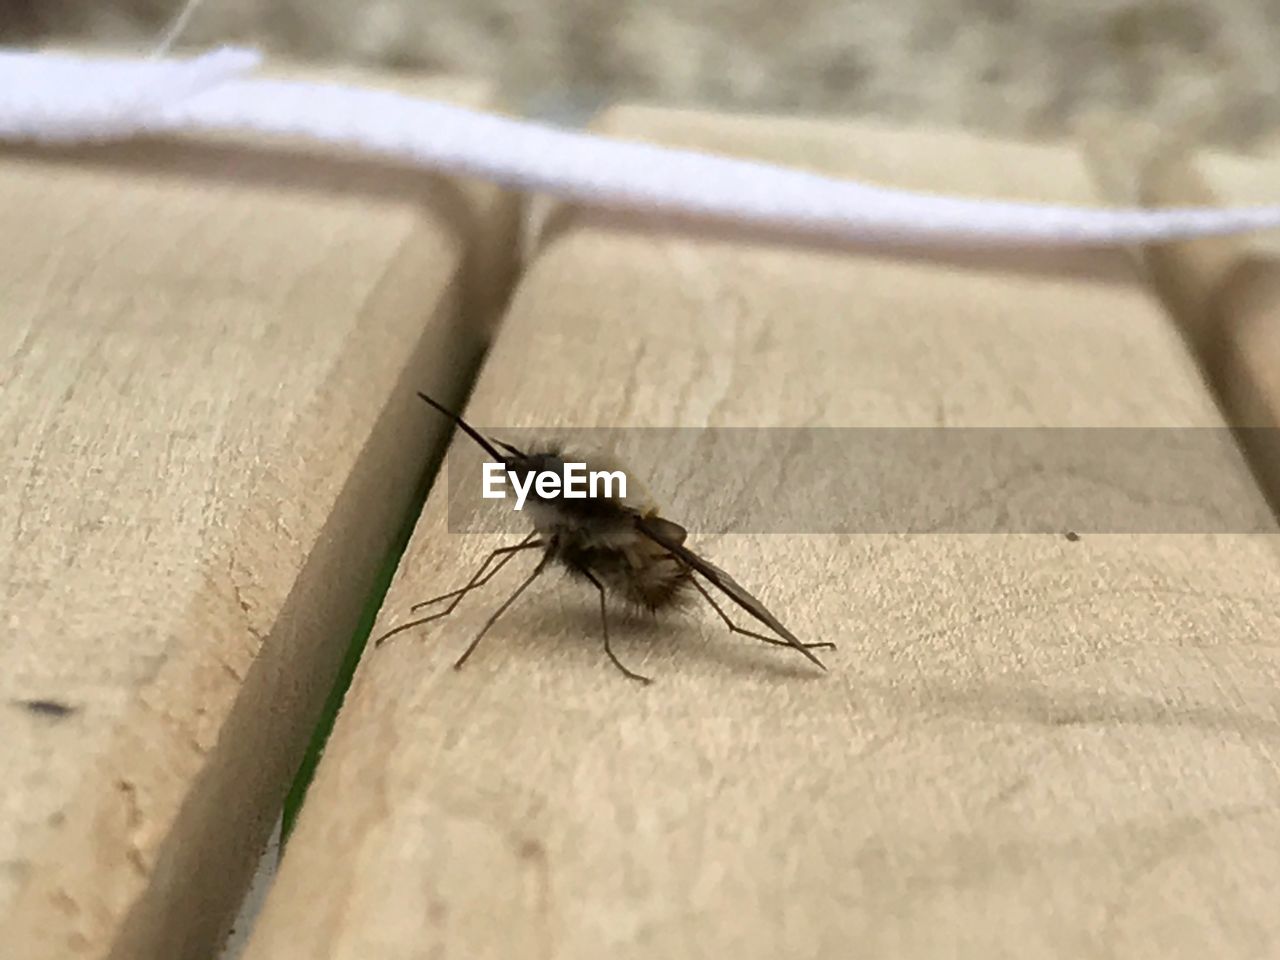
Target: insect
[[618, 547]]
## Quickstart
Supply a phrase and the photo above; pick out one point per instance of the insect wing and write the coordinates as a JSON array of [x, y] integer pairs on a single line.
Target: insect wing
[[658, 530]]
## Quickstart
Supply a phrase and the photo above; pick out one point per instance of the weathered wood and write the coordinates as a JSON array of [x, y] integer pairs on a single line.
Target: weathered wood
[[1027, 745], [208, 442]]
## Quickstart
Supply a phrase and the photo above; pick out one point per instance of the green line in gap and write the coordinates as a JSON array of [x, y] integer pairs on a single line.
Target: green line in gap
[[324, 726]]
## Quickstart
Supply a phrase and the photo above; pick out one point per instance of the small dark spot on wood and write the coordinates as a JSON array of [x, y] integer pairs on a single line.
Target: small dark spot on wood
[[1072, 536], [531, 850], [47, 708], [1069, 720]]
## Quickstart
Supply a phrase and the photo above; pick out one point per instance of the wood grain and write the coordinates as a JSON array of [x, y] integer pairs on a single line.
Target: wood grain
[[1027, 745], [207, 451]]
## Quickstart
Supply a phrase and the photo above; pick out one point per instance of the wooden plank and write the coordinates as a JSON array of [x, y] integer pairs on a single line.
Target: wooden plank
[[1225, 291], [1241, 301], [1142, 164], [207, 452], [1242, 304], [1027, 745]]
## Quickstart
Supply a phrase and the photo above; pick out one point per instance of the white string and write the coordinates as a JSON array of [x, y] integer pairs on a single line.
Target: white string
[[174, 29], [54, 98], [57, 98]]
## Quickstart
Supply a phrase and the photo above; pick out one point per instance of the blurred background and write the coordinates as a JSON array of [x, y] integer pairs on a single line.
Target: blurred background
[[1015, 67]]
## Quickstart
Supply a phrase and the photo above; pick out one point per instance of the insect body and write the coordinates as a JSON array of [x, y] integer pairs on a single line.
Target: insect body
[[620, 546]]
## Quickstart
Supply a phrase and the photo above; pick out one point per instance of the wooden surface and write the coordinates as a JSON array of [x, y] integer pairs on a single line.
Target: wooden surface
[[208, 443], [1243, 307], [1226, 291], [1028, 746], [1147, 165], [1241, 314]]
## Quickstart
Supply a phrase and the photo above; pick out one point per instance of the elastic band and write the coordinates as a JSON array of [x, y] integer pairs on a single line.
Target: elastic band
[[56, 98]]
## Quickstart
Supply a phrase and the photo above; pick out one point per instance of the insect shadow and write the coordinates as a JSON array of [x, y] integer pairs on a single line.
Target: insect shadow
[[619, 547]]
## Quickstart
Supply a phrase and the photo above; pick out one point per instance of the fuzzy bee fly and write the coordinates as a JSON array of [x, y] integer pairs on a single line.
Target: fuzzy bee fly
[[619, 547]]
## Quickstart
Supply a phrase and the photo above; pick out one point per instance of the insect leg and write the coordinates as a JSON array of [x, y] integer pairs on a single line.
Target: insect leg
[[478, 579], [604, 625], [546, 557], [749, 633]]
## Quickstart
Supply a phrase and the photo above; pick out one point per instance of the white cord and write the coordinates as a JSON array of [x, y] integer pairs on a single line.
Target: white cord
[[174, 30], [56, 98]]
